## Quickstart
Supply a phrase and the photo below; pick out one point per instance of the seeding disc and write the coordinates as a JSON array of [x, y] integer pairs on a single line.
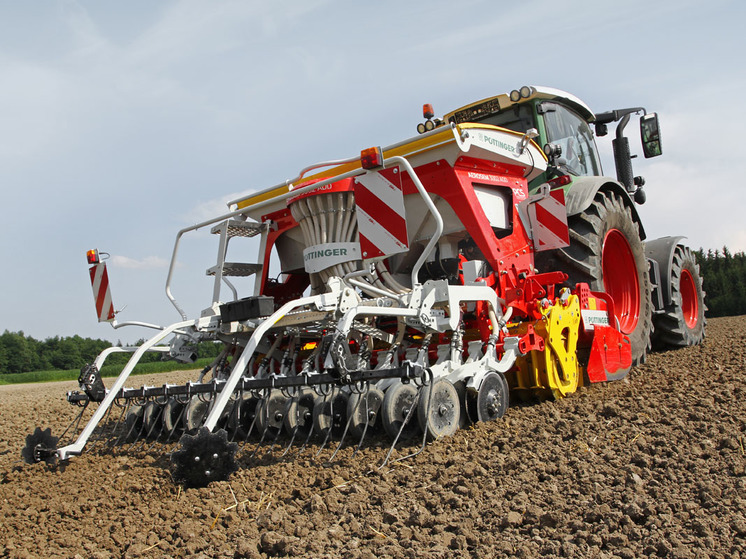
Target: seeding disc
[[439, 409], [330, 413], [397, 402], [195, 414], [492, 399], [171, 417], [299, 413], [241, 421], [364, 409], [133, 423], [270, 414], [152, 419]]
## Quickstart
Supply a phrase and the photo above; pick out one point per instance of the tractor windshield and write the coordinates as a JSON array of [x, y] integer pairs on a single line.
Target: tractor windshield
[[518, 118]]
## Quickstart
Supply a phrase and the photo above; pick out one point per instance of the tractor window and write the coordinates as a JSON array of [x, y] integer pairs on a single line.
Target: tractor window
[[574, 136], [518, 118]]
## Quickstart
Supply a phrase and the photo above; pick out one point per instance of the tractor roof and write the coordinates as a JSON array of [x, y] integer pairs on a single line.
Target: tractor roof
[[522, 95]]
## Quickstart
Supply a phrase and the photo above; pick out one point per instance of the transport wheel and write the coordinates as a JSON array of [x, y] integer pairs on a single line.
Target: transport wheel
[[397, 402], [133, 423], [683, 321], [171, 415], [491, 401], [606, 252], [40, 446], [330, 414], [270, 414], [439, 409], [203, 458], [364, 410], [299, 413], [242, 418], [152, 419]]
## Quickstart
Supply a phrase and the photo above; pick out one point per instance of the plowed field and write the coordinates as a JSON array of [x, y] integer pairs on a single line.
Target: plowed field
[[650, 466]]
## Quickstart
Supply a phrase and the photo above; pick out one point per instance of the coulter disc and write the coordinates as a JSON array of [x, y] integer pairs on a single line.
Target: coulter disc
[[397, 403], [364, 409], [330, 413], [299, 413]]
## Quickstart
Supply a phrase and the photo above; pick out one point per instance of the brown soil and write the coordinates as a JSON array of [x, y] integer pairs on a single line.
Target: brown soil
[[650, 466]]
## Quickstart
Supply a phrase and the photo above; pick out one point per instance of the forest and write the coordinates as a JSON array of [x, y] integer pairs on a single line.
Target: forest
[[724, 276], [21, 354]]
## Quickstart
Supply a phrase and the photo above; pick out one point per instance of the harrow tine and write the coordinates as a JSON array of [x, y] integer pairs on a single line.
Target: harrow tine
[[427, 383], [75, 422], [329, 395], [347, 426], [367, 411], [102, 430]]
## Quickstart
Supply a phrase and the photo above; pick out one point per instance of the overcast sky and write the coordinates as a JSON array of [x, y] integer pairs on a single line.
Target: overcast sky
[[123, 122]]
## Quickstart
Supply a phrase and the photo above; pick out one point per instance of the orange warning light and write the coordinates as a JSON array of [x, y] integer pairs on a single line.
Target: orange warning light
[[92, 256]]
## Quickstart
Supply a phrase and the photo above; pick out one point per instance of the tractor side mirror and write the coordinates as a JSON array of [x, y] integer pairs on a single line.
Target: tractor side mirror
[[650, 134]]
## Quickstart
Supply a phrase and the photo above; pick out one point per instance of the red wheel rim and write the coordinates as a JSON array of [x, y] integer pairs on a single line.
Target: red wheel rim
[[689, 299], [620, 279]]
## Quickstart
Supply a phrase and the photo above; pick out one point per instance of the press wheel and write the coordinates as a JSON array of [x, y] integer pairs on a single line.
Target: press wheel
[[491, 400], [439, 409]]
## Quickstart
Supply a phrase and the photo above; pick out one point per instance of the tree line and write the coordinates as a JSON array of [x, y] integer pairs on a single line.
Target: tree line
[[724, 279], [21, 354]]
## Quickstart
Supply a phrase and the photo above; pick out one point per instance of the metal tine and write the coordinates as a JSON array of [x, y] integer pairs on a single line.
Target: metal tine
[[250, 431], [347, 425], [177, 423], [429, 383], [141, 440], [329, 431], [102, 429], [124, 438], [159, 437], [118, 422], [305, 442], [367, 412], [75, 422], [297, 425], [264, 432]]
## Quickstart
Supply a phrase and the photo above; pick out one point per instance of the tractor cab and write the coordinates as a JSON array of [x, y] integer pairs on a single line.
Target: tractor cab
[[563, 125]]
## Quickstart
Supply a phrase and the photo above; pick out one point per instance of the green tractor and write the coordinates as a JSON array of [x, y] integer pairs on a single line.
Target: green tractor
[[656, 285]]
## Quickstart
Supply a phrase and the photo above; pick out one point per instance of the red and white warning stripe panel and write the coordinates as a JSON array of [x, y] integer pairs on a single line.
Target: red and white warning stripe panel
[[101, 292], [548, 218], [381, 218]]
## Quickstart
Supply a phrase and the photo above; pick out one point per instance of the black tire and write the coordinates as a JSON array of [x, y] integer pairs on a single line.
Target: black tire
[[605, 235], [683, 321]]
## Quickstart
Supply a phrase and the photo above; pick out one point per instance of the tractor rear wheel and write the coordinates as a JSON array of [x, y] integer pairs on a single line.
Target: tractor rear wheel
[[682, 322], [606, 252]]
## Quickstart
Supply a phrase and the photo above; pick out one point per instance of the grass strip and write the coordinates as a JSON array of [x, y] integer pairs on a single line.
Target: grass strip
[[106, 371]]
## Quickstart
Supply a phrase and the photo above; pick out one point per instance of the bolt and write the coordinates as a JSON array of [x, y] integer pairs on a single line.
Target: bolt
[[215, 456], [196, 458]]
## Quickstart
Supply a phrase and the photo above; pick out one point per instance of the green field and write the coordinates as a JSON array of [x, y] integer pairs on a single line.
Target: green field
[[106, 371]]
